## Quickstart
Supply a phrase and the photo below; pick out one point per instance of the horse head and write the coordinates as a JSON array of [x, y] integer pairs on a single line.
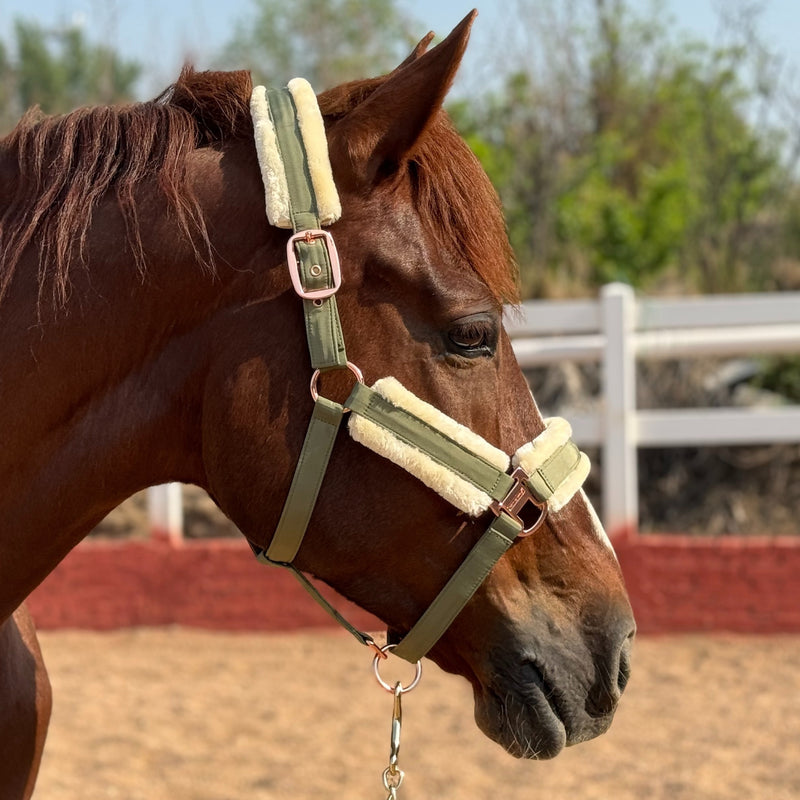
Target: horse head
[[426, 270], [176, 350]]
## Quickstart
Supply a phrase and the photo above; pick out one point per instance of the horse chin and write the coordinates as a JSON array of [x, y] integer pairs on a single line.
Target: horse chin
[[531, 718], [526, 727]]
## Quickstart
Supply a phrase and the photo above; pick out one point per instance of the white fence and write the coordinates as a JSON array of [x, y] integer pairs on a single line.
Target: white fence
[[616, 330]]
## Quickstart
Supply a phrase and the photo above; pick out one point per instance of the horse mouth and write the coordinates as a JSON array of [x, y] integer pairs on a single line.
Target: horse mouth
[[530, 717]]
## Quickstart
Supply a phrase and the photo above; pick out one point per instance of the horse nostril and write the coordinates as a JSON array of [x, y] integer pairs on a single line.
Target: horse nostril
[[625, 663], [602, 700], [612, 673]]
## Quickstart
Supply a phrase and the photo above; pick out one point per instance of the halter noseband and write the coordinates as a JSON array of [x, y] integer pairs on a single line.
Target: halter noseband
[[461, 466]]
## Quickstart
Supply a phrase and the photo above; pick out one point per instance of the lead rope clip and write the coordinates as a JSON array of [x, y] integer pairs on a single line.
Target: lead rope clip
[[393, 775]]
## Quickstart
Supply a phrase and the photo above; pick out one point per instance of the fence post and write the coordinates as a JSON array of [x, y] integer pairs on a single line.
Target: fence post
[[620, 480], [165, 510]]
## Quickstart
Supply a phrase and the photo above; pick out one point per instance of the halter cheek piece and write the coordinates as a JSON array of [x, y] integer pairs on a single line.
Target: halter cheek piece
[[455, 462]]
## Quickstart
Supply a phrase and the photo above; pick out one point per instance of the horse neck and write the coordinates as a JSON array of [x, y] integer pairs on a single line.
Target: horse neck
[[105, 393]]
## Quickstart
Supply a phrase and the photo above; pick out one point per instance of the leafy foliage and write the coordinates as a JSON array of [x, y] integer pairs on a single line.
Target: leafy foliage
[[59, 70], [326, 41], [627, 153]]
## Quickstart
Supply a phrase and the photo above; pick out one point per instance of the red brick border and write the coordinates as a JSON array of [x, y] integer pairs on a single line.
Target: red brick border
[[682, 583], [213, 584], [676, 583]]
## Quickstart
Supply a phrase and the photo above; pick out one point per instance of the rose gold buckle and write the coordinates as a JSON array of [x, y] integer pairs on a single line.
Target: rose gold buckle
[[294, 268], [519, 496]]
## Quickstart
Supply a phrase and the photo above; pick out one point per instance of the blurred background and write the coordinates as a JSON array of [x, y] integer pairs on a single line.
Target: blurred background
[[651, 147], [652, 143]]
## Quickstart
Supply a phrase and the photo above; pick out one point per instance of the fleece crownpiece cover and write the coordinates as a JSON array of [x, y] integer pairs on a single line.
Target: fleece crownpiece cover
[[315, 143], [442, 477]]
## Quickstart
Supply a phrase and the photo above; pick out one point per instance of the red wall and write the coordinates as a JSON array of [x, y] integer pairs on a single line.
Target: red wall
[[213, 583], [676, 583], [682, 583]]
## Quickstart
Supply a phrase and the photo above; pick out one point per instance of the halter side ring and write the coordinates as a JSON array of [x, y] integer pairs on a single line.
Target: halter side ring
[[359, 376]]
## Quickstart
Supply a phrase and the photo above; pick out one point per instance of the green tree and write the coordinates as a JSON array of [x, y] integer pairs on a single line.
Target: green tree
[[625, 152], [325, 41], [59, 70]]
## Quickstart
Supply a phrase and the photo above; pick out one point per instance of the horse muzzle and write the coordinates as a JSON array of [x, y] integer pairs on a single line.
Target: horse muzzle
[[538, 699]]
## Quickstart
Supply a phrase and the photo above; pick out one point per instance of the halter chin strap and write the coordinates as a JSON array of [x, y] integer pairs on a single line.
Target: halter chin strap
[[465, 469]]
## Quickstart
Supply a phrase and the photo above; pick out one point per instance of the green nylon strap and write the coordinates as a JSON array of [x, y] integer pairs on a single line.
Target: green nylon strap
[[459, 589], [261, 557], [441, 448], [362, 637], [550, 475], [410, 429], [323, 327], [327, 351], [308, 476]]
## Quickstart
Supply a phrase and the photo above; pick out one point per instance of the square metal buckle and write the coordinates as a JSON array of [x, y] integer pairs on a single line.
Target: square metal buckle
[[294, 268], [519, 496]]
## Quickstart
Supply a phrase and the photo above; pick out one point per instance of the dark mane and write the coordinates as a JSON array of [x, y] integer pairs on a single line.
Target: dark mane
[[66, 164]]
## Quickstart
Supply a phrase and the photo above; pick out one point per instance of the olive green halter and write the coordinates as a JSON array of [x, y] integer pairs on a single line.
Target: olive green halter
[[454, 461]]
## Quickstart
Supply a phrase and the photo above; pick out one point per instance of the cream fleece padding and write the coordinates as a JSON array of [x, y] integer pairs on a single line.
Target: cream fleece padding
[[396, 393], [276, 191], [312, 129], [571, 485], [453, 488], [533, 455]]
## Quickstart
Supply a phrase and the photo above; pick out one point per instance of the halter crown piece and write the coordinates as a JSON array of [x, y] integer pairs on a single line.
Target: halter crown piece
[[461, 466]]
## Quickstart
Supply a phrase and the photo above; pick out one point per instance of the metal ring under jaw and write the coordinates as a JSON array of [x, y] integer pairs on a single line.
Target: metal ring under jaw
[[402, 689], [359, 376]]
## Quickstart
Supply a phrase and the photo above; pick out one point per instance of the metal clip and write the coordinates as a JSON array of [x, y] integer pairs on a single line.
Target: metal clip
[[393, 775]]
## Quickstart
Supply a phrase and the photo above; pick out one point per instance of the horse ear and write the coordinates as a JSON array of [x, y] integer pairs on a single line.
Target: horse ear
[[379, 133], [419, 50]]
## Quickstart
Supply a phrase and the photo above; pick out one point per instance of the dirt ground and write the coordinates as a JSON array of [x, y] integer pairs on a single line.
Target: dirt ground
[[189, 715]]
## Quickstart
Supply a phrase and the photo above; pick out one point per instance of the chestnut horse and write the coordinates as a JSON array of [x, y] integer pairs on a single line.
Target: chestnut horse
[[150, 333]]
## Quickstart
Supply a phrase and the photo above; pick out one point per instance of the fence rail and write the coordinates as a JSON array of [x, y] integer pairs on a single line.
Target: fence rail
[[616, 330]]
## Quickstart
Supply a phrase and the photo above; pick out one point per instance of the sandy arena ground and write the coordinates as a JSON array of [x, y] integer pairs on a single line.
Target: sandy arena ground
[[189, 715]]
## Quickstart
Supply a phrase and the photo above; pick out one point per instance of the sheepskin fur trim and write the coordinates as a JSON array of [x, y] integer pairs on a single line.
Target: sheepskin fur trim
[[315, 142], [532, 455], [276, 190], [312, 129], [572, 483], [452, 487], [440, 478], [396, 393]]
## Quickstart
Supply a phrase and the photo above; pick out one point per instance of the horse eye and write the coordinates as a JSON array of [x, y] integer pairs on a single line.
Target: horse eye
[[472, 337], [468, 339]]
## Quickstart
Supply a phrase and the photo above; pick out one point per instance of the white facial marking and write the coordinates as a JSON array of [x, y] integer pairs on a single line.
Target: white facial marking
[[598, 526]]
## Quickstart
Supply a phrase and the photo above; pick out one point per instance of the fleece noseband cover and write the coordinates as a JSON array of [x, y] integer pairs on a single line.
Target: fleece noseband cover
[[454, 461]]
